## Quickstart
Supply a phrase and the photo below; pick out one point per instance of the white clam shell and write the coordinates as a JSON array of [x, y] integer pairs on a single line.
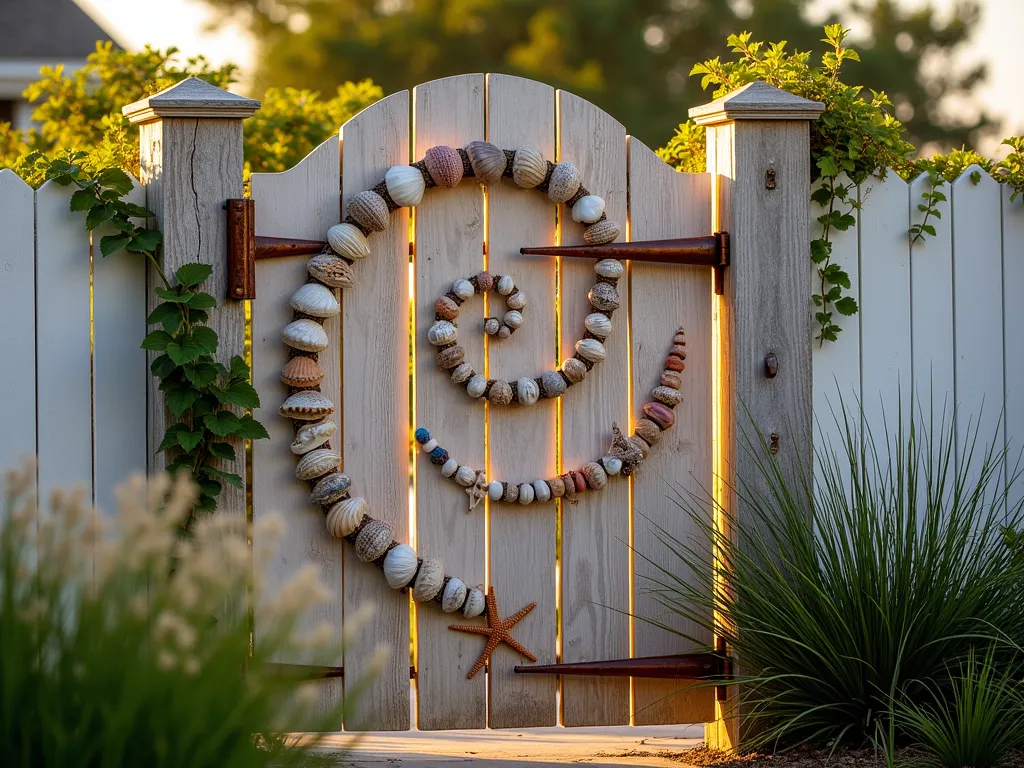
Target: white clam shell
[[442, 332], [306, 405], [465, 476], [598, 324], [591, 349], [347, 240], [316, 300], [504, 285], [610, 268], [400, 566], [588, 209], [305, 334], [475, 604], [514, 318], [428, 580], [525, 493], [612, 465], [527, 390], [449, 467], [454, 595], [475, 386], [313, 436], [516, 301], [463, 289], [541, 491], [345, 517], [316, 463], [461, 373], [529, 167], [405, 184]]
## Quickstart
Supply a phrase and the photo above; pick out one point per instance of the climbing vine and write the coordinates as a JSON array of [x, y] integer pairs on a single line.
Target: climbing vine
[[198, 390]]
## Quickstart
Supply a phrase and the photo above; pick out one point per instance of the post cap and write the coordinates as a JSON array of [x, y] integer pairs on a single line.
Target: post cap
[[757, 101], [191, 97]]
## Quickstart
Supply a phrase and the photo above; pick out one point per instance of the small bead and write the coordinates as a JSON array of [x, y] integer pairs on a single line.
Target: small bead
[[500, 393], [612, 465], [671, 379], [610, 268], [660, 414], [484, 282], [511, 494], [465, 476], [476, 385], [494, 490], [504, 332], [552, 384], [422, 435], [557, 486], [604, 297], [492, 325], [438, 456], [525, 493], [649, 431], [678, 350], [428, 446], [674, 364], [595, 475], [514, 318], [667, 395], [527, 391], [580, 480], [451, 357], [504, 285], [591, 349], [575, 370], [449, 467], [463, 289], [570, 484], [516, 301], [446, 308], [541, 491], [442, 332], [461, 373], [679, 338]]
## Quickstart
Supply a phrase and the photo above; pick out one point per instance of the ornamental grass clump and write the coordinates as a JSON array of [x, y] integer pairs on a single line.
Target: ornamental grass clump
[[843, 595], [126, 643]]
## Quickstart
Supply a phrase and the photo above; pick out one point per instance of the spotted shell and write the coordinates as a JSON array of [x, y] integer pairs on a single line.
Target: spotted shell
[[598, 324], [307, 405], [604, 297], [552, 384], [465, 476], [610, 268], [304, 334], [527, 391], [347, 240], [461, 373], [454, 595], [588, 209], [488, 161], [313, 436], [345, 517], [316, 463], [475, 604], [405, 184], [302, 372], [516, 301], [492, 325], [575, 370], [316, 300], [601, 232], [591, 349], [648, 430], [400, 565], [428, 580], [373, 540], [442, 332], [529, 168], [331, 270], [667, 395], [330, 489], [500, 392], [565, 182], [444, 166], [369, 211], [595, 475]]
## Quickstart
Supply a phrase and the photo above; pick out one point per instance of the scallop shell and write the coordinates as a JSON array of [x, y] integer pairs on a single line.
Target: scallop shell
[[565, 182], [369, 211], [405, 184], [316, 463], [601, 232], [307, 335], [428, 580], [574, 370], [591, 349], [330, 489], [400, 566], [475, 604], [529, 168], [313, 436], [307, 405], [347, 240], [316, 300], [454, 595], [345, 517], [527, 391], [588, 209], [598, 324], [465, 476], [604, 297], [610, 268], [444, 166], [488, 161], [373, 540], [595, 475], [302, 372], [331, 270], [442, 332]]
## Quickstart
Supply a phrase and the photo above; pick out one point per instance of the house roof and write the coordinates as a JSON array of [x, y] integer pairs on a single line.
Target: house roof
[[47, 29]]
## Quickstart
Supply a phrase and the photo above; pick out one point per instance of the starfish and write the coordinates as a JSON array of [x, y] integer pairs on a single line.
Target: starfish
[[497, 632], [478, 490]]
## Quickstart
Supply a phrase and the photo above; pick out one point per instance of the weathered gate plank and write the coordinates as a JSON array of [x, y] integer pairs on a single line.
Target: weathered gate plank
[[665, 204], [522, 441], [301, 202], [1013, 321], [375, 404], [595, 532], [449, 245]]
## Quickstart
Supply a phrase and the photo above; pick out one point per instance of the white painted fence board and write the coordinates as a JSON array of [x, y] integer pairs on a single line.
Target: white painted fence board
[[301, 202], [595, 532], [522, 442], [119, 363], [18, 320], [63, 364], [663, 297], [449, 245], [1013, 322]]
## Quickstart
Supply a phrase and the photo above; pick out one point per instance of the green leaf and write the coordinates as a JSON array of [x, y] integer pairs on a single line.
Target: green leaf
[[174, 295], [97, 215], [827, 166], [136, 211], [184, 351], [202, 301], [239, 368], [83, 200], [222, 423], [929, 229], [193, 274], [224, 451], [171, 438], [228, 477], [189, 440], [112, 243], [167, 315], [157, 340], [115, 179], [821, 195], [180, 399], [240, 393], [145, 241], [162, 367], [205, 338], [211, 489], [201, 374], [846, 306], [820, 250], [251, 429]]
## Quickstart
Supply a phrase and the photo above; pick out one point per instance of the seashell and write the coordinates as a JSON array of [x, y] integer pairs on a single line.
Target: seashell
[[451, 357], [525, 493], [671, 379], [316, 300], [369, 210], [678, 350], [400, 566], [317, 463], [348, 240], [476, 385], [449, 467], [461, 373], [463, 289], [557, 486], [484, 282], [302, 372], [495, 490], [580, 480], [446, 308], [595, 475], [676, 364], [488, 161], [504, 285], [307, 335], [345, 517], [429, 445], [588, 209], [552, 384], [500, 393], [313, 436], [570, 485], [612, 465], [643, 445], [373, 540], [516, 301], [465, 476], [604, 297], [504, 332], [541, 491], [670, 396], [444, 166], [330, 489], [428, 580], [442, 332], [660, 414], [527, 391], [598, 324], [680, 337], [331, 270], [475, 604], [565, 182], [514, 318], [511, 494], [405, 185], [529, 168], [649, 431], [492, 325], [307, 405], [575, 370], [454, 595], [591, 349], [610, 268], [601, 232]]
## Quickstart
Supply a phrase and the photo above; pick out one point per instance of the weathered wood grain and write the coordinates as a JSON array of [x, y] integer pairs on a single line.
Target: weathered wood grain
[[522, 441], [1013, 321]]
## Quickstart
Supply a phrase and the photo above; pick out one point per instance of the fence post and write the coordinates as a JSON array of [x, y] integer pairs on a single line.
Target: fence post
[[758, 154], [190, 153]]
